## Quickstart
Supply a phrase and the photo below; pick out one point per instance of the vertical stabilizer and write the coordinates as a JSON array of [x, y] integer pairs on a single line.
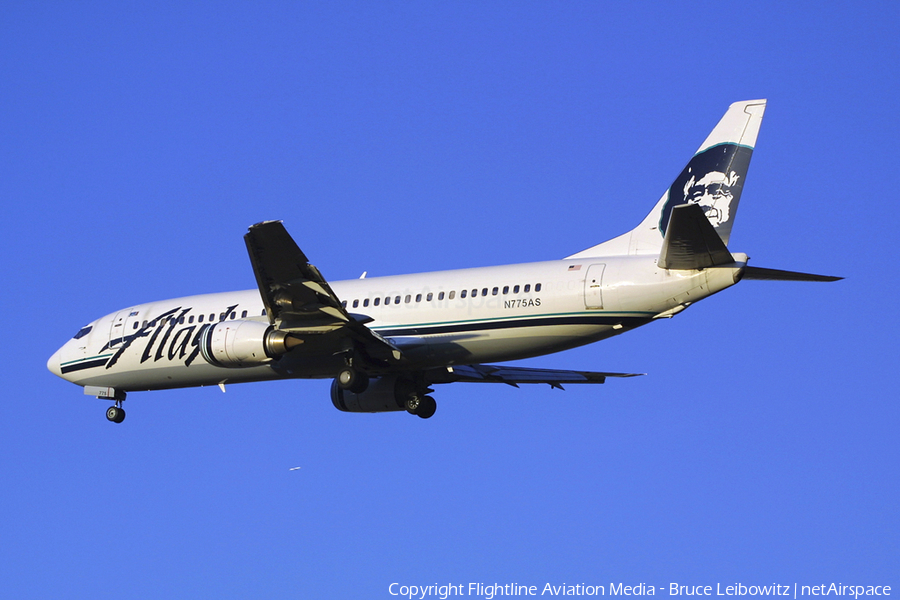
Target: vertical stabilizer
[[713, 179]]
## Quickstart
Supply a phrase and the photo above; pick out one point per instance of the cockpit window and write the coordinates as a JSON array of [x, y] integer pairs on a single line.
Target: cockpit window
[[83, 332]]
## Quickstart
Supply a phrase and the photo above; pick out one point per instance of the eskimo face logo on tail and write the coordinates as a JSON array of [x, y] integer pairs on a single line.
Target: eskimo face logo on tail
[[713, 179]]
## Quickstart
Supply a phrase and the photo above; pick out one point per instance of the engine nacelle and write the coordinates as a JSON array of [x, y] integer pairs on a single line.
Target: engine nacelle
[[384, 394], [243, 343]]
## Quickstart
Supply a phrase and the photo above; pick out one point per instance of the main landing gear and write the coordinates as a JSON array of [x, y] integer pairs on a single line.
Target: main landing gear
[[421, 406], [410, 395], [353, 380]]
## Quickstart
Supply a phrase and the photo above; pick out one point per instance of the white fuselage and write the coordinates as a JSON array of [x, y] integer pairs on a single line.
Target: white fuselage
[[436, 319]]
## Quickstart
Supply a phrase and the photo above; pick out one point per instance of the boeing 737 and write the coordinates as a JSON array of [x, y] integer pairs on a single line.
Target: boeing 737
[[388, 341]]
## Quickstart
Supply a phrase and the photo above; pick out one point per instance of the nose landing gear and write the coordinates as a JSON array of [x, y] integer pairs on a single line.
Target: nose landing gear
[[116, 414]]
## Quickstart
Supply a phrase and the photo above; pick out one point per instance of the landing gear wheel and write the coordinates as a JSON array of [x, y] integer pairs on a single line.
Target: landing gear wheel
[[426, 407], [115, 414], [412, 404], [352, 380]]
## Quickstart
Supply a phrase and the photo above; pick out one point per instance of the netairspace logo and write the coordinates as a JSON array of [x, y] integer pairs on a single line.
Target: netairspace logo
[[489, 591]]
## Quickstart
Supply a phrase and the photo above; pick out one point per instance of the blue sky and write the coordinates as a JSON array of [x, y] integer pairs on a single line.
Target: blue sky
[[139, 140]]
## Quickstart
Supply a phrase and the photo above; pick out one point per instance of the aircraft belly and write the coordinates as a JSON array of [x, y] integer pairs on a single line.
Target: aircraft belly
[[525, 342]]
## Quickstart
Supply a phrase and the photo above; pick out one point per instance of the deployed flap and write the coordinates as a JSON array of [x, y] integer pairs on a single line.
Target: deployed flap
[[296, 296], [778, 275], [691, 241], [515, 375]]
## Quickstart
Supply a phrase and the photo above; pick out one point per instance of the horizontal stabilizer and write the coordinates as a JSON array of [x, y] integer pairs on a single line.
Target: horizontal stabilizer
[[691, 241], [778, 275]]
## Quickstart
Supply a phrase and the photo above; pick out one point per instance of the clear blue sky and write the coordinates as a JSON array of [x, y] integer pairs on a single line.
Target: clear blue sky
[[139, 140]]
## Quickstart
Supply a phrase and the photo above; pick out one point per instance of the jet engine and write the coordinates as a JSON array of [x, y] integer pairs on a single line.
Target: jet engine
[[243, 343], [384, 394]]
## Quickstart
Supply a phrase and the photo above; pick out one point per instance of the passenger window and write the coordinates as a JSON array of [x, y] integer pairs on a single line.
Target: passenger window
[[452, 295], [180, 320], [537, 287], [366, 302], [441, 296], [135, 325], [377, 301], [429, 297], [397, 300], [527, 288], [191, 319], [474, 293], [264, 312], [408, 298], [495, 291], [387, 300], [484, 291], [505, 290], [244, 314], [463, 293], [356, 303], [515, 289], [343, 304], [200, 319], [418, 297]]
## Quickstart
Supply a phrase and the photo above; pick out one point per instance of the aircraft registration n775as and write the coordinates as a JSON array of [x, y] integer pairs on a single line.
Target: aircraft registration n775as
[[386, 341]]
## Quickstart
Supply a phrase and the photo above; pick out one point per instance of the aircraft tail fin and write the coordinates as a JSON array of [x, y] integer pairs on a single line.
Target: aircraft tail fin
[[713, 179]]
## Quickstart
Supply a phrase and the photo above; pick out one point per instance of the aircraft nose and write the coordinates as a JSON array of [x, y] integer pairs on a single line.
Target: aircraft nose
[[53, 364]]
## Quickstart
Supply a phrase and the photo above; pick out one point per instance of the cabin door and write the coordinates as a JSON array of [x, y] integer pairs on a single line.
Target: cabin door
[[593, 282]]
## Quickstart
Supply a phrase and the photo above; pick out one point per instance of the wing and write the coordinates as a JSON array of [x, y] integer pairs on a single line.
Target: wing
[[296, 296], [516, 375]]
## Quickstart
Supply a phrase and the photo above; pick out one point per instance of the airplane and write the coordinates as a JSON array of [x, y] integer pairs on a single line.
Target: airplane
[[386, 341]]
